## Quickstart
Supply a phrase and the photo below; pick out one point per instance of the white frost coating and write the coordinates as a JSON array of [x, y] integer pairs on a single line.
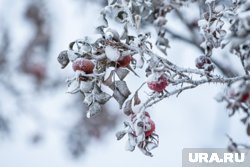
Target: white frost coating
[[153, 77], [209, 1], [73, 87], [71, 54], [88, 114], [112, 53], [202, 23], [86, 86]]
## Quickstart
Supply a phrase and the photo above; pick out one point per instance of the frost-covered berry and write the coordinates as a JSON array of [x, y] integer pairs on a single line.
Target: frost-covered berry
[[124, 61], [152, 128], [245, 97], [39, 71], [201, 61], [157, 83], [151, 125], [82, 64]]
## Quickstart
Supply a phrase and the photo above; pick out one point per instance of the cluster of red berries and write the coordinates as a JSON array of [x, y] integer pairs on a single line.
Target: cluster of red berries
[[87, 66]]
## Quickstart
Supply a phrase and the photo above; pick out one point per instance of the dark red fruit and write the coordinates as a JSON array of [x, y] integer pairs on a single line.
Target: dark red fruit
[[38, 70], [159, 84], [152, 128], [124, 61], [245, 97], [201, 61], [82, 64]]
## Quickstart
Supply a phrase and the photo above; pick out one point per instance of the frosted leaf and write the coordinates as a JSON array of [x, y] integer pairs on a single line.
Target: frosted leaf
[[123, 88], [94, 109], [162, 43], [128, 107], [219, 8], [109, 80], [63, 59], [219, 24], [139, 128], [160, 21], [140, 62], [244, 119], [119, 98], [140, 138], [248, 129], [85, 47], [137, 100], [86, 86], [73, 87], [112, 53], [145, 152], [151, 145], [119, 135], [112, 34], [103, 21], [99, 30], [202, 23], [88, 99], [132, 139], [129, 147], [111, 2], [121, 73], [247, 64], [71, 54], [102, 97]]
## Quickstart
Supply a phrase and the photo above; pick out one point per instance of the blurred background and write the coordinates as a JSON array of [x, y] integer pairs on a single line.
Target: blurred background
[[41, 125]]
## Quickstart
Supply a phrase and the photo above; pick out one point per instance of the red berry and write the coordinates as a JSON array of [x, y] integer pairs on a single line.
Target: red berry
[[82, 64], [244, 97], [124, 61], [152, 128], [201, 61], [38, 71], [158, 84]]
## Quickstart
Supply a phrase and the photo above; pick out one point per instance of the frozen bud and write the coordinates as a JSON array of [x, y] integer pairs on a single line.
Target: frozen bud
[[63, 59]]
